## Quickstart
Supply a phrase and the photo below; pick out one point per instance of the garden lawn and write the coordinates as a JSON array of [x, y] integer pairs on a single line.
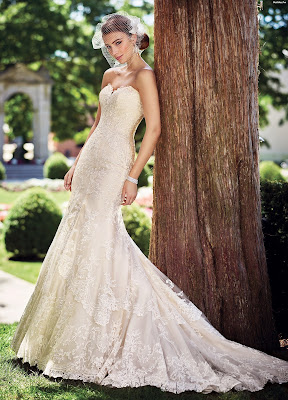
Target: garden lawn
[[8, 197], [18, 383], [28, 270]]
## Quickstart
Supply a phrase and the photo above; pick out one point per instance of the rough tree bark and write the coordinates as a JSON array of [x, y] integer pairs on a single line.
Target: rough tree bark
[[206, 227]]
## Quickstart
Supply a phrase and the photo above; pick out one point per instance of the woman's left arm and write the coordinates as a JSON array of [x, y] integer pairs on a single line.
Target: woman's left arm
[[146, 84]]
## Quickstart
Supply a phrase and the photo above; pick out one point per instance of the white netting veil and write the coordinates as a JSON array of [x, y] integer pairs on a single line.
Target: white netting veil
[[124, 23]]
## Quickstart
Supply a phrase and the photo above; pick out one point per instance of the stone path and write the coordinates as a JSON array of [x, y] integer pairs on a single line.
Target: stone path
[[14, 296]]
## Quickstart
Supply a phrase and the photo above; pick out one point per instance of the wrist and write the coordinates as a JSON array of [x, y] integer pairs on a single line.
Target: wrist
[[130, 179]]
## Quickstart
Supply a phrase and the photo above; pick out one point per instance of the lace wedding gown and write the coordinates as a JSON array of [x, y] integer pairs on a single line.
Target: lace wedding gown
[[101, 311]]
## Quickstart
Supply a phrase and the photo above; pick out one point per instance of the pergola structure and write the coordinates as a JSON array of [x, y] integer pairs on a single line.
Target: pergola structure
[[37, 85]]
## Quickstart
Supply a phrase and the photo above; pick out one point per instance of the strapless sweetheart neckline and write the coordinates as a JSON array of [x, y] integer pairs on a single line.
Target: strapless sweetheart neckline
[[120, 87]]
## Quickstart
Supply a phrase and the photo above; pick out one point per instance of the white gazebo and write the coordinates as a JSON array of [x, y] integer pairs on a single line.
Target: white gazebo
[[37, 85]]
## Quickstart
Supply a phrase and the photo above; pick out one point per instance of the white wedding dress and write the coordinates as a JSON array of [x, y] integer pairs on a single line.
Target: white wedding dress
[[101, 311]]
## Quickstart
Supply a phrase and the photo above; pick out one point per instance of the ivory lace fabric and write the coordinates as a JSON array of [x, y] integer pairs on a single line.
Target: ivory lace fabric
[[101, 311]]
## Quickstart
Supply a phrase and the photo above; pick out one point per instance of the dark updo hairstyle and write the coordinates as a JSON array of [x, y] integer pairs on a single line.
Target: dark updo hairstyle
[[120, 23]]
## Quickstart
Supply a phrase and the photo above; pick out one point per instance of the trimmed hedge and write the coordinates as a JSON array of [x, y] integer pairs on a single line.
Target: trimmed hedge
[[56, 166], [138, 225], [31, 223], [269, 170]]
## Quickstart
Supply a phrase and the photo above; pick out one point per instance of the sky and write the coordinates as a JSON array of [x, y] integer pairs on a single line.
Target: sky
[[148, 19]]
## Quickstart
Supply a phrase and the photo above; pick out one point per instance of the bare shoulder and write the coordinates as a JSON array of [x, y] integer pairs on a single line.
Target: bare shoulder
[[108, 74], [145, 75], [146, 80], [111, 73]]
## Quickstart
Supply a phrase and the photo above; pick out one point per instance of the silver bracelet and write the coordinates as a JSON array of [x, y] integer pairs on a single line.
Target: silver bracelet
[[129, 178]]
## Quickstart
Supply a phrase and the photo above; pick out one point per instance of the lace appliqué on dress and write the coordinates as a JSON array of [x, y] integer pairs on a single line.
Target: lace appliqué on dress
[[101, 311]]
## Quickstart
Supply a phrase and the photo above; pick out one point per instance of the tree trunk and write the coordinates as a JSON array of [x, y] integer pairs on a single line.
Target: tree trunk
[[206, 227]]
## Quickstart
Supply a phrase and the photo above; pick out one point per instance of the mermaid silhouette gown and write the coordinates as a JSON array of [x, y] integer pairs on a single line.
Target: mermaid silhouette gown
[[101, 311]]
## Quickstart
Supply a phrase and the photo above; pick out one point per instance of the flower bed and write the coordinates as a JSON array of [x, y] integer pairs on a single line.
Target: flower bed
[[145, 199], [55, 185]]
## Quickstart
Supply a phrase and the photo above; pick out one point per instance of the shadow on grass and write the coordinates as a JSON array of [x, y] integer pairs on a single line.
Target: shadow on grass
[[19, 380], [31, 258], [106, 392], [89, 391]]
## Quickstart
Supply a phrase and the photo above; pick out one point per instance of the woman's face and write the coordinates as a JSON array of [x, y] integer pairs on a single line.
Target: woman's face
[[119, 45]]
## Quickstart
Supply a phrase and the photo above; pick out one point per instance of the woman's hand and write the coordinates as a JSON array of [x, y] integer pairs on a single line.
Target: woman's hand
[[68, 178], [129, 193]]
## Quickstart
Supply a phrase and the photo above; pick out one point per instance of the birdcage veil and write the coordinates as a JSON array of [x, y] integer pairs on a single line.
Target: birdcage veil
[[123, 22]]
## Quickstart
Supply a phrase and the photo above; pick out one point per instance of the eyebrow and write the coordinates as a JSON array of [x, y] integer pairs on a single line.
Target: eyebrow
[[114, 41]]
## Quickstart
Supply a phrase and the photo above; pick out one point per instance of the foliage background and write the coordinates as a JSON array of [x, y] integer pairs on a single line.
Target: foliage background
[[57, 34]]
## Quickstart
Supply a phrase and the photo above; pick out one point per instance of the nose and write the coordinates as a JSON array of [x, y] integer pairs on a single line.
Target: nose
[[113, 52]]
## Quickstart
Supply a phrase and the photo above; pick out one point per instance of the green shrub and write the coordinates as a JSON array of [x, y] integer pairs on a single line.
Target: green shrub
[[269, 170], [56, 166], [31, 223], [80, 137], [138, 225], [274, 202], [2, 172]]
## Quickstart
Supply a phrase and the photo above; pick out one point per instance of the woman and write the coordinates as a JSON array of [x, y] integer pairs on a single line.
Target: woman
[[101, 311]]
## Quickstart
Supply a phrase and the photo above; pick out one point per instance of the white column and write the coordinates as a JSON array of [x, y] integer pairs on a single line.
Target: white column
[[41, 122]]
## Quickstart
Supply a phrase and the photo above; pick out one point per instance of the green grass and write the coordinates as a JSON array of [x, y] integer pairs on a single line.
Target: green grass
[[28, 270], [8, 197], [20, 382]]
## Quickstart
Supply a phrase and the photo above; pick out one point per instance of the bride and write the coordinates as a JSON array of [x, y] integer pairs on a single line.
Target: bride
[[101, 311]]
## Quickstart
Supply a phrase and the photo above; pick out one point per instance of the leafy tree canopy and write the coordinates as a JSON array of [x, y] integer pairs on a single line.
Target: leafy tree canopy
[[57, 34]]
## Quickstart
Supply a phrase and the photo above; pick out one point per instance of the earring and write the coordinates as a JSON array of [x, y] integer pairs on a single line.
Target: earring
[[136, 49]]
